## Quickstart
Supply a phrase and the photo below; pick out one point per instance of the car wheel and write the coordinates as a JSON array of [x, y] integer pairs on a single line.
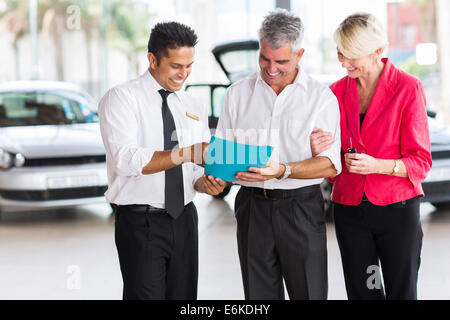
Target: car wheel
[[224, 192], [441, 205]]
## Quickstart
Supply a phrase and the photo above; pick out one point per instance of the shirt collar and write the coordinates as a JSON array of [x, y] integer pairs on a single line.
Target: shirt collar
[[153, 84], [300, 79]]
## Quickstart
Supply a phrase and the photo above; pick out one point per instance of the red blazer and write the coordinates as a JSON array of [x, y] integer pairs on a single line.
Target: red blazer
[[395, 127]]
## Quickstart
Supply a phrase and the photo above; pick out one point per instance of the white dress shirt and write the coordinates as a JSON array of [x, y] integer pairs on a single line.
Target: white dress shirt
[[253, 113], [132, 130]]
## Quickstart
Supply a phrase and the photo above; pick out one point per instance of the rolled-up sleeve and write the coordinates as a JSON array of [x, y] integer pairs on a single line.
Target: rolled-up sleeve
[[329, 120], [118, 126], [415, 137], [206, 137]]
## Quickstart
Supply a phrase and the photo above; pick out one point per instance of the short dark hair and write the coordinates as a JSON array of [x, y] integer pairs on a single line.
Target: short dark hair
[[170, 35]]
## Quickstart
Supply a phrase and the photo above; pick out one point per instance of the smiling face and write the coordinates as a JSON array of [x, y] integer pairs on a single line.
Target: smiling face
[[357, 68], [172, 70], [278, 66]]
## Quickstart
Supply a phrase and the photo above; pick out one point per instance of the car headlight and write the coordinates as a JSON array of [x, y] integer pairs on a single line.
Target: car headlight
[[7, 160], [19, 160]]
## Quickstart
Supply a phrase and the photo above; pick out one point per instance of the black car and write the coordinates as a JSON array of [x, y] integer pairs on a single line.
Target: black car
[[436, 186], [239, 59]]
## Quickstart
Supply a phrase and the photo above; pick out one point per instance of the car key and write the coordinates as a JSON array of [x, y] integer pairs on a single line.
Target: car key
[[351, 149]]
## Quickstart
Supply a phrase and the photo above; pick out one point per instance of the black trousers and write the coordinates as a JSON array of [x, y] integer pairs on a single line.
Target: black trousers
[[281, 234], [370, 236], [158, 255]]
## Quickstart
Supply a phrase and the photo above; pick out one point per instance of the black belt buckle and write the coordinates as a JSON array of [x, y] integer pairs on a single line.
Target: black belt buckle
[[266, 196]]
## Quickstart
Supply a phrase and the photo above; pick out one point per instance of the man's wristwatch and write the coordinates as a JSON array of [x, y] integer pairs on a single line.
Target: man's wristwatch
[[396, 168], [287, 172]]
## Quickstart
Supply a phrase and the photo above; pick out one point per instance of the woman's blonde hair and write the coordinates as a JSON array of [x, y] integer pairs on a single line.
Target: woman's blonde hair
[[359, 35]]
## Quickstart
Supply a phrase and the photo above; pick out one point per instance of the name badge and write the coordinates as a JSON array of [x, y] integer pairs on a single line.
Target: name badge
[[192, 116]]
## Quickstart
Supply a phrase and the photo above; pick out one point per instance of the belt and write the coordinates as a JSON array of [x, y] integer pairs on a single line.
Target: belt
[[275, 194], [138, 208]]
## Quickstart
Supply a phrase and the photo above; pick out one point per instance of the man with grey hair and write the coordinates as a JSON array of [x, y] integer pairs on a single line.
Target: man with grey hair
[[281, 230]]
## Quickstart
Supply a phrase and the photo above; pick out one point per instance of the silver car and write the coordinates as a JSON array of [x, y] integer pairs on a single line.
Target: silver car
[[51, 152]]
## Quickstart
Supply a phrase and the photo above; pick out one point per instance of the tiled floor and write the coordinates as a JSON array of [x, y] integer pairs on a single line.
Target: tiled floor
[[70, 254]]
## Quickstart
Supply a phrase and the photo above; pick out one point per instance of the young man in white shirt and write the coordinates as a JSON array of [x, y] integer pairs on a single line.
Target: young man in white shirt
[[155, 136], [281, 229]]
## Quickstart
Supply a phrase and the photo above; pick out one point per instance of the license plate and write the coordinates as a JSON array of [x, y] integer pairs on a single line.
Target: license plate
[[72, 181]]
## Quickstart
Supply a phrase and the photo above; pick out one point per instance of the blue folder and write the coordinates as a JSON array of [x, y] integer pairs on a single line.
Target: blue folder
[[226, 158]]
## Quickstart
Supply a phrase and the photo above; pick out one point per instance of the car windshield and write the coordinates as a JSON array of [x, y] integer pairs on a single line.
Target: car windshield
[[44, 108]]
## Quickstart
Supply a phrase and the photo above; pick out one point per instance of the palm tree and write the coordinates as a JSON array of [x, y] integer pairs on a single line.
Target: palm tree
[[128, 30], [90, 11], [15, 20], [53, 25]]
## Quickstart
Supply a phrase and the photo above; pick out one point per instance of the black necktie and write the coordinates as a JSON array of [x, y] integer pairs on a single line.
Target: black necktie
[[174, 191]]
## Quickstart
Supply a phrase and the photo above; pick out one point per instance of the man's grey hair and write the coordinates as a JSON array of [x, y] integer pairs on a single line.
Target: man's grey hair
[[281, 27]]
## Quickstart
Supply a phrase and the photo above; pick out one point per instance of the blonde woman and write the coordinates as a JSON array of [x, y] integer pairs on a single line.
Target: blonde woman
[[376, 197]]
